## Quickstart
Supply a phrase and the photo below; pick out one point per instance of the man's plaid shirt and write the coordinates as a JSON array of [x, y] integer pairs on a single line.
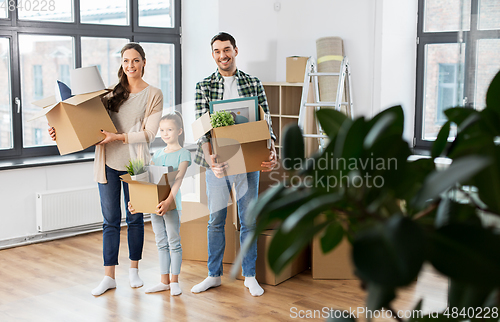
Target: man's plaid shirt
[[212, 89]]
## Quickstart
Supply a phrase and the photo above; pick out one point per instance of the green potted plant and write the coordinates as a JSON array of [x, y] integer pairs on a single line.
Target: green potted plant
[[221, 118], [397, 214], [137, 170]]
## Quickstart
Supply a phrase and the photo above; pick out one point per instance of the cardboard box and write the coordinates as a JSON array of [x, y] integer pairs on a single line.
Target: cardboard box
[[295, 69], [263, 272], [242, 146], [145, 196], [335, 265], [194, 223], [78, 120]]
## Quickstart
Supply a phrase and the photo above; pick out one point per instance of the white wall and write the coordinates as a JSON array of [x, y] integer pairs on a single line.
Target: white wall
[[379, 39]]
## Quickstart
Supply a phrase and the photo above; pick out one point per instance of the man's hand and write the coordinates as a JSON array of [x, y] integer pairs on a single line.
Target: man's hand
[[162, 207], [217, 168], [131, 209], [273, 160]]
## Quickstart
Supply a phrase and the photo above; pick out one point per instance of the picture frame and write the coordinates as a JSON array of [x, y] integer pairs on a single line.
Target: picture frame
[[245, 107]]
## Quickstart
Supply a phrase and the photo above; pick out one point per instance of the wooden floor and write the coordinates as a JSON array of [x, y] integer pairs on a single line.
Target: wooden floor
[[52, 282]]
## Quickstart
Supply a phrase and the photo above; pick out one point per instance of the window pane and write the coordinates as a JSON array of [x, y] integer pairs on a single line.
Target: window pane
[[105, 53], [159, 71], [444, 15], [46, 10], [156, 13], [488, 64], [442, 85], [43, 60], [489, 14], [109, 12], [4, 7], [5, 96]]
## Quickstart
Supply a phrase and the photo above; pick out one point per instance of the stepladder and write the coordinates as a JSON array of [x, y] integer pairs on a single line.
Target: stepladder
[[309, 104]]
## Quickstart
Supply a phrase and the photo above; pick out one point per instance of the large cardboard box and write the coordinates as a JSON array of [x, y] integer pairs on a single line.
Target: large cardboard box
[[295, 69], [263, 272], [78, 120], [145, 196], [194, 223], [335, 265], [243, 146]]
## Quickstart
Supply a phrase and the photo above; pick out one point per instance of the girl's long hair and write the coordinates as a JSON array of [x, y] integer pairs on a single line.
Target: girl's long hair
[[177, 118], [121, 91]]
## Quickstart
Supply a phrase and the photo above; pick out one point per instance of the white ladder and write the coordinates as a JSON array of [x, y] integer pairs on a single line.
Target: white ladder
[[344, 76]]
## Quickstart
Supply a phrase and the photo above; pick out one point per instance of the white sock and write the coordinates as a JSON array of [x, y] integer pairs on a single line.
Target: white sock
[[254, 287], [107, 283], [175, 289], [133, 276], [206, 284], [158, 288]]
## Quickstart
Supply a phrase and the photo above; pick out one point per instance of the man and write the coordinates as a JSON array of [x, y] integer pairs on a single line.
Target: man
[[227, 83]]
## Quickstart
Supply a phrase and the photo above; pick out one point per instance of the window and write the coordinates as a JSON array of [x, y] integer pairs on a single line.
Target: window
[[48, 44], [457, 57]]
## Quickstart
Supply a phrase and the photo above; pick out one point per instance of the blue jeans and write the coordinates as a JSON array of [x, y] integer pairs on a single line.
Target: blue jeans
[[111, 211], [168, 240], [218, 192]]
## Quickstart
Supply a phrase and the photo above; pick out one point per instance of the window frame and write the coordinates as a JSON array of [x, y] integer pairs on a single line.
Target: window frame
[[470, 39], [11, 28]]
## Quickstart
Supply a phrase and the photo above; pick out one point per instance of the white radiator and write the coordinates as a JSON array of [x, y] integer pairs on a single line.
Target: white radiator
[[60, 209]]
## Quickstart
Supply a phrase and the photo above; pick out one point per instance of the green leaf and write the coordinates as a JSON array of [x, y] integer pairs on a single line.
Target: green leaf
[[332, 237], [439, 181], [463, 295], [458, 114], [452, 212], [493, 94], [349, 141], [379, 296], [391, 254], [343, 317], [441, 140], [466, 253], [488, 181], [331, 120], [293, 147]]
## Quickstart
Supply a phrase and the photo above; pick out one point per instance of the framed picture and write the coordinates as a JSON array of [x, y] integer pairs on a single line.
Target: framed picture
[[244, 109]]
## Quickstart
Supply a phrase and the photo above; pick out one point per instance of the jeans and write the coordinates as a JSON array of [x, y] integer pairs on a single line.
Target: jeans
[[168, 240], [111, 211], [218, 192]]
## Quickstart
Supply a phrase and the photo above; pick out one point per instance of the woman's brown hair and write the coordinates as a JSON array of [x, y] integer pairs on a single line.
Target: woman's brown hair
[[121, 90]]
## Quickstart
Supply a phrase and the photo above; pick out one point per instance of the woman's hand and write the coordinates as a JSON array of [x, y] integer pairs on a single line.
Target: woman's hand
[[163, 206], [110, 137], [52, 133], [131, 209]]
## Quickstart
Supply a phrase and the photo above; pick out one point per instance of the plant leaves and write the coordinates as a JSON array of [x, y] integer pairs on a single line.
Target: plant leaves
[[462, 295], [331, 120], [332, 236], [493, 93], [466, 253], [440, 181], [379, 296], [452, 212], [293, 147], [391, 254], [441, 140], [378, 129]]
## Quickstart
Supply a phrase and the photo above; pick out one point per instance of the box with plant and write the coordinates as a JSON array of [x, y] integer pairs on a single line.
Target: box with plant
[[397, 214]]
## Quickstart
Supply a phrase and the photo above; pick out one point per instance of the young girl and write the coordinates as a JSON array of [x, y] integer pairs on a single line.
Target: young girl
[[166, 224]]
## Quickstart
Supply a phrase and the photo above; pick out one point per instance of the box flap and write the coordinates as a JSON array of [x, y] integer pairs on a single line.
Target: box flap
[[79, 99], [44, 102], [242, 133], [201, 126], [128, 179], [43, 112]]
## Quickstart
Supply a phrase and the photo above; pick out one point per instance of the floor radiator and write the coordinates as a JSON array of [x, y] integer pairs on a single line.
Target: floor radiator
[[61, 209]]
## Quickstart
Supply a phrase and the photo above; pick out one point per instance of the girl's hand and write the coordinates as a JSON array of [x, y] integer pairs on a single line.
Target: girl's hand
[[163, 206], [110, 137], [52, 133], [131, 209]]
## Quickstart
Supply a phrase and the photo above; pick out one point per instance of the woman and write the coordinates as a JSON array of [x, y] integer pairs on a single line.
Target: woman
[[135, 108]]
